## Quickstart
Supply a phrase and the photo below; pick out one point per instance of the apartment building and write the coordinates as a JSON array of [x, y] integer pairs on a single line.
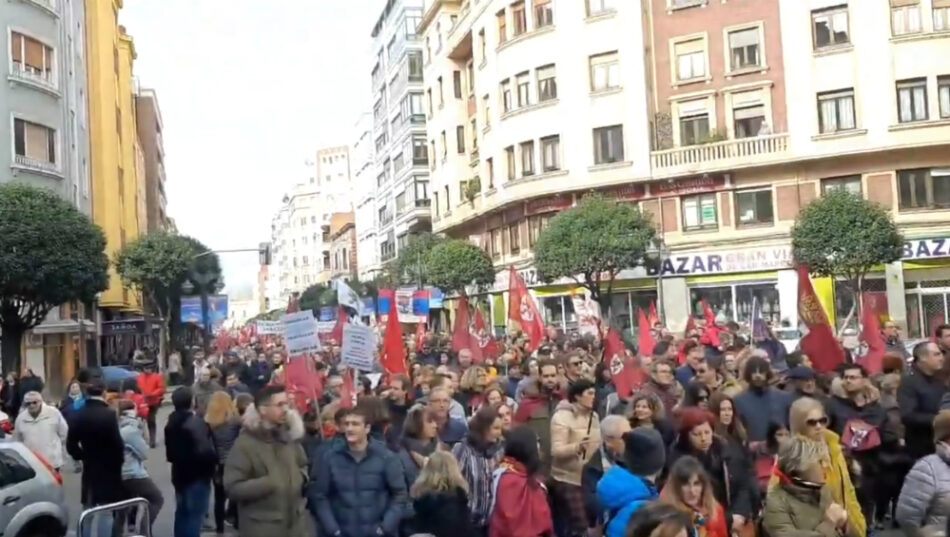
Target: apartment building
[[364, 198], [150, 127], [703, 132], [529, 103], [343, 260], [44, 141], [399, 130]]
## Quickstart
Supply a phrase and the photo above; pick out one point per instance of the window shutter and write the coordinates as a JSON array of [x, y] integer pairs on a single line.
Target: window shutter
[[940, 3], [902, 3], [17, 46]]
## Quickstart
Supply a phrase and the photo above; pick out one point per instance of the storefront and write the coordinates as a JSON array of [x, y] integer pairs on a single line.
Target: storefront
[[925, 271]]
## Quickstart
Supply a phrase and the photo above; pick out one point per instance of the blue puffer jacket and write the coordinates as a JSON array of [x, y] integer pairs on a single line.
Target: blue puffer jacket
[[357, 497], [621, 494]]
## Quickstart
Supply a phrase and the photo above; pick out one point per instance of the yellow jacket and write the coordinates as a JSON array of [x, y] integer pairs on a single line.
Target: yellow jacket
[[838, 481]]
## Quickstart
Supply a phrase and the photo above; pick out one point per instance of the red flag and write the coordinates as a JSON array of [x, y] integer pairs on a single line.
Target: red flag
[[488, 347], [654, 318], [420, 335], [393, 356], [690, 325], [293, 303], [820, 344], [711, 332], [341, 318], [626, 375], [873, 360], [646, 341], [303, 380], [461, 335], [523, 310], [348, 393]]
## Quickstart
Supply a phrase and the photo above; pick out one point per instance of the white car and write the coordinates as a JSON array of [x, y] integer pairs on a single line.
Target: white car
[[32, 501]]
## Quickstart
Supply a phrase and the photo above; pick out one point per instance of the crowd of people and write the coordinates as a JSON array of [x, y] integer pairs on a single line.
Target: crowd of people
[[736, 437]]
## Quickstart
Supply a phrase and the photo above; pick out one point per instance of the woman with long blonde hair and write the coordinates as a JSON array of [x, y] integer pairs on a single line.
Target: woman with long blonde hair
[[440, 499], [222, 418]]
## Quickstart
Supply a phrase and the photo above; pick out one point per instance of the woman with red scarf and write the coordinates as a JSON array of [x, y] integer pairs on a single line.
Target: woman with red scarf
[[688, 488], [520, 507]]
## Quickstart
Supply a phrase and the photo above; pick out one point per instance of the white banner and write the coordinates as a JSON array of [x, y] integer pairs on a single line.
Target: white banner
[[346, 296], [300, 333], [269, 327], [359, 342], [587, 312]]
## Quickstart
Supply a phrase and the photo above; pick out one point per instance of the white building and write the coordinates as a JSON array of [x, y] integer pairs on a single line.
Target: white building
[[364, 198], [402, 179], [333, 177]]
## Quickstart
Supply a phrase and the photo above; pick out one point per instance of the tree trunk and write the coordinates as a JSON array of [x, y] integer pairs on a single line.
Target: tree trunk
[[10, 344]]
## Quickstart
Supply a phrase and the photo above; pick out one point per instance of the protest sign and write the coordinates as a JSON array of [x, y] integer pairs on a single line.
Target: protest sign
[[300, 333], [358, 345], [269, 327]]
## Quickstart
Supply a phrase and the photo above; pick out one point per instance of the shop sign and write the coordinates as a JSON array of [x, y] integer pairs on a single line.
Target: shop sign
[[926, 249], [689, 185], [549, 204], [727, 261], [630, 192], [117, 328]]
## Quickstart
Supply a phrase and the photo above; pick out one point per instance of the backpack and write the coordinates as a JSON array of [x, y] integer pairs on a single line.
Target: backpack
[[860, 436]]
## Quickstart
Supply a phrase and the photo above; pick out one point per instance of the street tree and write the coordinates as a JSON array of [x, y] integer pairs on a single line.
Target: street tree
[[592, 242], [454, 265], [158, 265], [411, 263], [50, 254], [844, 236]]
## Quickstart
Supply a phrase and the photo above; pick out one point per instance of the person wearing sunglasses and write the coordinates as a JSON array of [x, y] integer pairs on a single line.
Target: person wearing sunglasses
[[808, 419]]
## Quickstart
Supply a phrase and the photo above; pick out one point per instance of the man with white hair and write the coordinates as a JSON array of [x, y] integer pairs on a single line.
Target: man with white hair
[[42, 428], [612, 429]]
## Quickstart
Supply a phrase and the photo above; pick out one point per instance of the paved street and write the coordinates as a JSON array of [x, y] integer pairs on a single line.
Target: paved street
[[160, 472]]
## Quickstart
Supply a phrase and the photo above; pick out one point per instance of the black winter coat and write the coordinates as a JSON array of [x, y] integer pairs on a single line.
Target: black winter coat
[[443, 515], [189, 448], [919, 398], [734, 485], [94, 440]]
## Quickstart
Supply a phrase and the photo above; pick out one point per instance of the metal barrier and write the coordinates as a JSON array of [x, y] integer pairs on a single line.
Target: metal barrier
[[116, 513]]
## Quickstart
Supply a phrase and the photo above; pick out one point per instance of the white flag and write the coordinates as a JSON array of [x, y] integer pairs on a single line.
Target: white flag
[[347, 297]]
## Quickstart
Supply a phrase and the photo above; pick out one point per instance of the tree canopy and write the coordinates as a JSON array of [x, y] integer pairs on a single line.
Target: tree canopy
[[844, 236], [592, 242], [411, 262], [454, 264], [50, 254]]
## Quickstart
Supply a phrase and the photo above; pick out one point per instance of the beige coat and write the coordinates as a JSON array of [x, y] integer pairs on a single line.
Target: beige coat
[[570, 424]]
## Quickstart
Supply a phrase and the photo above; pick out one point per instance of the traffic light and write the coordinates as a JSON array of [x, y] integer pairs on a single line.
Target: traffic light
[[263, 252]]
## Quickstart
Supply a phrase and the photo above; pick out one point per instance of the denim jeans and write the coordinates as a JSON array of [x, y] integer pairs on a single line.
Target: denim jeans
[[191, 504]]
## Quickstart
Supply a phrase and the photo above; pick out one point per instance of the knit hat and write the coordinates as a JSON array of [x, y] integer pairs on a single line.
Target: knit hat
[[942, 426], [644, 453]]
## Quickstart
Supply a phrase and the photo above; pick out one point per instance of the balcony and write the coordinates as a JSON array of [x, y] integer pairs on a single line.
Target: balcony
[[49, 5], [44, 80], [26, 163], [728, 154]]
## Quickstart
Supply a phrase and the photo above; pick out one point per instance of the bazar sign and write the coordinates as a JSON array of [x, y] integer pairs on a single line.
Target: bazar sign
[[926, 249], [726, 261]]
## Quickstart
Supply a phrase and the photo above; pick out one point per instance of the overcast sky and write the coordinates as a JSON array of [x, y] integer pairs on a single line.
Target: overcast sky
[[248, 89]]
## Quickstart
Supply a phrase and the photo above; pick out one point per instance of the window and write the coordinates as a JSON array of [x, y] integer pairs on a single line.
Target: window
[[506, 95], [608, 144], [941, 19], [470, 77], [599, 7], [694, 128], [543, 14], [494, 242], [699, 212], [943, 94], [490, 172], [836, 111], [486, 109], [527, 158], [412, 106], [905, 19], [510, 162], [519, 21], [550, 153], [31, 58], [690, 59], [445, 145], [474, 125], [457, 83], [536, 224], [422, 193], [432, 154], [851, 183], [415, 66], [429, 98], [830, 27], [398, 163], [438, 36], [448, 200], [412, 22], [748, 120], [744, 48], [547, 83], [502, 26], [34, 144], [514, 238], [460, 139], [912, 100], [481, 45], [435, 203], [441, 93], [924, 188], [604, 71], [754, 207], [524, 97]]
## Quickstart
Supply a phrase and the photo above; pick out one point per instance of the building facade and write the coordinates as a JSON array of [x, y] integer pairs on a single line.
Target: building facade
[[343, 260], [398, 130], [150, 127], [364, 198], [702, 133]]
